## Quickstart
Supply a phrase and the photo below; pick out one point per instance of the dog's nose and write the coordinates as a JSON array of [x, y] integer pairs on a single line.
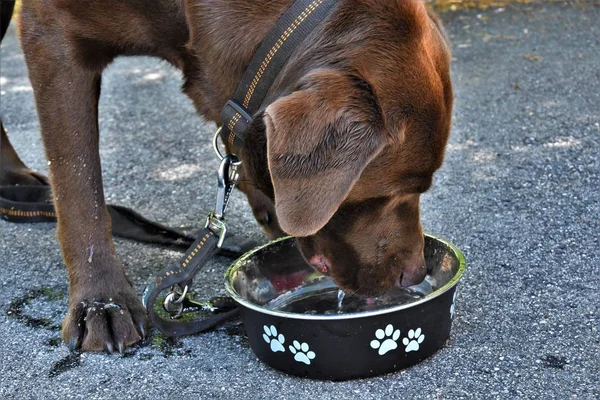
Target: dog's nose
[[412, 275], [320, 263]]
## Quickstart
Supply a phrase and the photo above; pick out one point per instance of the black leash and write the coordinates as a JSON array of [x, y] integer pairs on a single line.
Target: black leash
[[182, 273], [28, 204], [34, 204], [236, 117]]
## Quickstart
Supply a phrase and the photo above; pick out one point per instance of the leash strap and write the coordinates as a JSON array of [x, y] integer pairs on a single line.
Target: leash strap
[[34, 204], [28, 204], [181, 274], [290, 30]]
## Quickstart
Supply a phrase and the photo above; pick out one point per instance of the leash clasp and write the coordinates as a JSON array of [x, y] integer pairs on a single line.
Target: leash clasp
[[227, 178], [217, 226]]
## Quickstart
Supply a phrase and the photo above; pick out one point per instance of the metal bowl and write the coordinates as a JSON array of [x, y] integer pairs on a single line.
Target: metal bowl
[[347, 345]]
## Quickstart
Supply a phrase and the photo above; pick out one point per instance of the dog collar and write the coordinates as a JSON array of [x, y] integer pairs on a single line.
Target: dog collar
[[289, 31]]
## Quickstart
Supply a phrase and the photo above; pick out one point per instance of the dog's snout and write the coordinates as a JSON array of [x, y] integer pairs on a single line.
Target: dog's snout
[[321, 264], [411, 275]]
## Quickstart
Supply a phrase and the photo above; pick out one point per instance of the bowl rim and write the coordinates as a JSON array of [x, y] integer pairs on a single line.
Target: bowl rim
[[462, 265]]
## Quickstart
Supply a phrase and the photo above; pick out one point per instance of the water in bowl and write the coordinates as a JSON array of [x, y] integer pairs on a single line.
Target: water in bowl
[[322, 296]]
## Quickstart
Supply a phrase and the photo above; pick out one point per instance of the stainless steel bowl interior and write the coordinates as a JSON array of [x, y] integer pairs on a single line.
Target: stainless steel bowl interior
[[278, 267]]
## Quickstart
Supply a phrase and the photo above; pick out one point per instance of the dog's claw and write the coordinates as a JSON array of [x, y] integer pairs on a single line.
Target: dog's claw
[[73, 344], [105, 323], [109, 348], [142, 330]]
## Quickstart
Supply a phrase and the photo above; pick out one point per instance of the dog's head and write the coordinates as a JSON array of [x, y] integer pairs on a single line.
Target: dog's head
[[351, 145]]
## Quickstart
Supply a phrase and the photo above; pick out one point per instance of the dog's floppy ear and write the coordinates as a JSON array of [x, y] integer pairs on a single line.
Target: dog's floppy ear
[[319, 140]]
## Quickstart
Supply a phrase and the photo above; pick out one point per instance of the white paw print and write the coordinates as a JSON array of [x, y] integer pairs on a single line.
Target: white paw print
[[389, 343], [414, 339], [452, 306], [271, 337], [301, 353]]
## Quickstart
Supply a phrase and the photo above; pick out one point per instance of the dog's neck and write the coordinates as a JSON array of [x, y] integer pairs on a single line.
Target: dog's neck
[[223, 39]]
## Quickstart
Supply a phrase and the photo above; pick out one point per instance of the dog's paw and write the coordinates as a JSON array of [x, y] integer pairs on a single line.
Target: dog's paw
[[108, 322]]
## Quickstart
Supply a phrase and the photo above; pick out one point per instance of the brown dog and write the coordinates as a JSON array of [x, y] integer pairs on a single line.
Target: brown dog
[[350, 135]]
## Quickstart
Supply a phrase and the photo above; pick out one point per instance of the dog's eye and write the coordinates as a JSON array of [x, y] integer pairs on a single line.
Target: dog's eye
[[265, 219]]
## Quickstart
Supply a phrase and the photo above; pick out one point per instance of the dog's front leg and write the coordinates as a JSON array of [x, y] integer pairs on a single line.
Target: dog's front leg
[[105, 312]]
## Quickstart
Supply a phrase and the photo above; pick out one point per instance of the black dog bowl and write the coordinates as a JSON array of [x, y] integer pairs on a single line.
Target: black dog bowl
[[306, 338]]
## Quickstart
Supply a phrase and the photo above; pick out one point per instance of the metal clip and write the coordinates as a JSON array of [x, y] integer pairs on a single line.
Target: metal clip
[[217, 226], [173, 305], [186, 304], [227, 178]]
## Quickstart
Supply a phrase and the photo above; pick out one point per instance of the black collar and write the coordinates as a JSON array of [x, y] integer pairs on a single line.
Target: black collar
[[289, 31]]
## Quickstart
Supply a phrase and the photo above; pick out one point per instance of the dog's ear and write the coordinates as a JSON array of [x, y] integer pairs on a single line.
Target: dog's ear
[[319, 140]]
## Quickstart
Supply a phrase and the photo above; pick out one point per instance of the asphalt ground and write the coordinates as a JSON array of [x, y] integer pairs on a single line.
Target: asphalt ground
[[518, 193]]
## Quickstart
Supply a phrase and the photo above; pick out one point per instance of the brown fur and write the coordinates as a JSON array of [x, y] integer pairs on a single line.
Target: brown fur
[[350, 135]]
